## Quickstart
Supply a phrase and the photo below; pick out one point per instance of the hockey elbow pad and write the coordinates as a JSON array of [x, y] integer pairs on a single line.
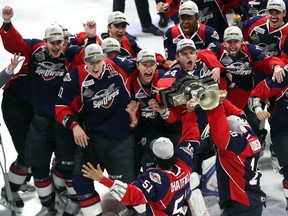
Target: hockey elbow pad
[[118, 189]]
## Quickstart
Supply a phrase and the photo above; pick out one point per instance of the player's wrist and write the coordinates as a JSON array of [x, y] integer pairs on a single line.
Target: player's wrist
[[133, 123], [8, 70], [257, 109], [69, 121], [166, 114]]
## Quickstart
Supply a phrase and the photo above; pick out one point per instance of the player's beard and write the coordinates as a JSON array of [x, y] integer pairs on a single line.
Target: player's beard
[[235, 53]]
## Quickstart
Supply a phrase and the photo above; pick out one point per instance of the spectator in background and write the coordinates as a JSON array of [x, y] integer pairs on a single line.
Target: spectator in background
[[163, 20], [142, 7]]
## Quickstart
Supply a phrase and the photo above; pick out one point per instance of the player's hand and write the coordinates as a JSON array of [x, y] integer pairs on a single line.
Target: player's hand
[[132, 109], [262, 115], [7, 14], [90, 172], [229, 76], [278, 74], [215, 74], [90, 28], [162, 7], [156, 90], [191, 104], [222, 95], [14, 62], [155, 106], [170, 62], [80, 136]]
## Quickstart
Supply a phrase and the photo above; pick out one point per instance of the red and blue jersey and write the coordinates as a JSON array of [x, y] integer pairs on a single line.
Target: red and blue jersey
[[164, 192], [148, 118], [44, 79], [129, 48], [16, 83], [273, 42], [236, 163], [242, 68], [269, 88], [99, 102], [40, 77], [42, 70], [202, 38], [253, 8], [211, 12], [189, 128]]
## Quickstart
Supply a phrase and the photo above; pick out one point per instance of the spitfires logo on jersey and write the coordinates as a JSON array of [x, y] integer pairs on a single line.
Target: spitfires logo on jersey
[[255, 38], [205, 15], [105, 97], [239, 68], [49, 70], [269, 49], [226, 59], [148, 113]]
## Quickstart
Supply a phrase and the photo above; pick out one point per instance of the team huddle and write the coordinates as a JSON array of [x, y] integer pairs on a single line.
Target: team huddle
[[86, 102]]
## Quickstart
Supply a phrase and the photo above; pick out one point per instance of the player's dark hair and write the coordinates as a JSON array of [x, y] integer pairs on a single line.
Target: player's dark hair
[[165, 164]]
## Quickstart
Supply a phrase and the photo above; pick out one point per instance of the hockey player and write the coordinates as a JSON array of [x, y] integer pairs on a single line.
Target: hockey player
[[270, 32], [116, 27], [252, 8], [278, 123], [143, 87], [111, 48], [14, 106], [209, 11], [187, 64], [45, 73], [161, 190], [98, 93], [189, 27], [241, 61], [238, 151]]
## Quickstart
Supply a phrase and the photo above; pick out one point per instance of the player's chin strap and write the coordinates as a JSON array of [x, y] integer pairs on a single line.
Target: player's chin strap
[[118, 191]]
